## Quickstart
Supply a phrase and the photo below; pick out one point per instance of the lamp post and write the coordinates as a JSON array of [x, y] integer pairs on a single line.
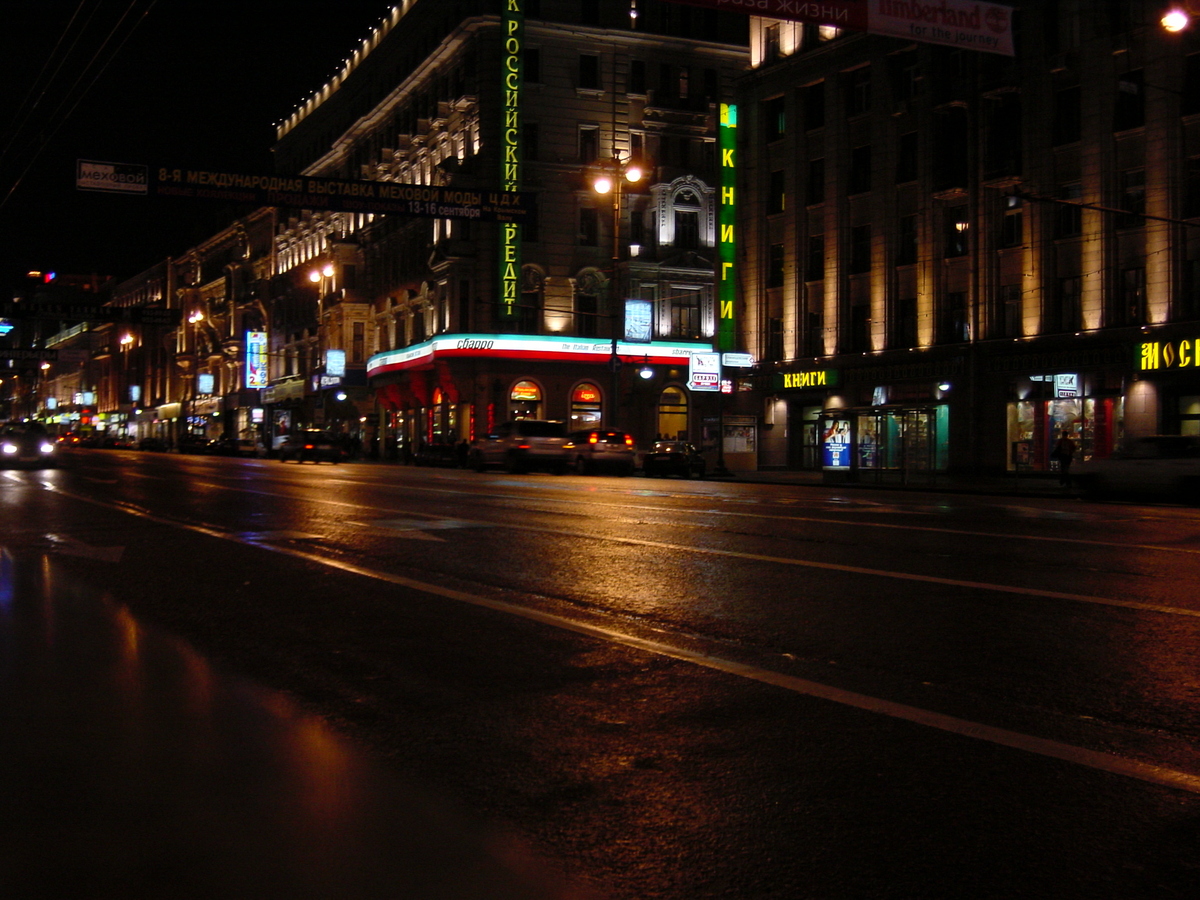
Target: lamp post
[[615, 171]]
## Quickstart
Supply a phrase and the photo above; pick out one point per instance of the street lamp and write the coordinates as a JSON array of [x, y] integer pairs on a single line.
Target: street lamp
[[615, 171], [1176, 19]]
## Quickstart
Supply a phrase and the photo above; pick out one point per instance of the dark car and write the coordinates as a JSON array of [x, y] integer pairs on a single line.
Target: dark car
[[194, 443], [244, 447], [1162, 466], [599, 449], [439, 453], [312, 446], [27, 444], [673, 458]]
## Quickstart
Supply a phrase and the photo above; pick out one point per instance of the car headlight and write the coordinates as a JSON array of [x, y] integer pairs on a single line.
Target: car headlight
[[46, 448], [9, 449]]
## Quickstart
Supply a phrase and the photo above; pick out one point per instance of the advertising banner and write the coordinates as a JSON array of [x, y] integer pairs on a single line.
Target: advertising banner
[[704, 372], [953, 23], [256, 359], [638, 321], [835, 444]]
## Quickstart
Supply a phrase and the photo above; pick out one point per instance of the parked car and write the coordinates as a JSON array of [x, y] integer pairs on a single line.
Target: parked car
[[152, 443], [194, 443], [26, 444], [673, 458], [523, 445], [246, 447], [439, 453], [1158, 466], [599, 449], [311, 445]]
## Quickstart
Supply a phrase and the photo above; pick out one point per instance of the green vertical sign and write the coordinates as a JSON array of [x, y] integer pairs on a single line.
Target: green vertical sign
[[726, 218], [513, 24]]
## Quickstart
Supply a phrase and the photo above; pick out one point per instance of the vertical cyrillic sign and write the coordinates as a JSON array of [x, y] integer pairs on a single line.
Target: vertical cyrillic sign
[[513, 24], [726, 280]]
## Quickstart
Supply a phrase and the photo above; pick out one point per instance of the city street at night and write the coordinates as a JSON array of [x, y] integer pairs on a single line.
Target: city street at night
[[240, 676]]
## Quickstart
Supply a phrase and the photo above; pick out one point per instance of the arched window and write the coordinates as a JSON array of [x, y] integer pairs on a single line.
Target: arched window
[[529, 310], [525, 401], [590, 286], [673, 414], [585, 406]]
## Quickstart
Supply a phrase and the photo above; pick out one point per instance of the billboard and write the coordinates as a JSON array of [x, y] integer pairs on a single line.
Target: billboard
[[256, 359], [952, 23]]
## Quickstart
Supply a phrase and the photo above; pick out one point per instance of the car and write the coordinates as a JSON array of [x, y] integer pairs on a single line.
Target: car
[[311, 445], [155, 444], [194, 443], [439, 453], [600, 449], [522, 445], [1151, 466], [27, 444], [246, 447], [673, 458]]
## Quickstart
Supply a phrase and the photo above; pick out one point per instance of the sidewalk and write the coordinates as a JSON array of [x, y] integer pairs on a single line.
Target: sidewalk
[[1024, 485]]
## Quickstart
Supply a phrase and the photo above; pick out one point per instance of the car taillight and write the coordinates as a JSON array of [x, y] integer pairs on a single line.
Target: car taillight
[[628, 440], [308, 446], [592, 439], [522, 446]]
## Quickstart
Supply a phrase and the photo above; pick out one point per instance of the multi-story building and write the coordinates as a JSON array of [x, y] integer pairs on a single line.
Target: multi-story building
[[462, 319], [954, 255]]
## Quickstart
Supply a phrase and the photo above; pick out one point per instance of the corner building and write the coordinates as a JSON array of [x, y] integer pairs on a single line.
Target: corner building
[[451, 324], [954, 256]]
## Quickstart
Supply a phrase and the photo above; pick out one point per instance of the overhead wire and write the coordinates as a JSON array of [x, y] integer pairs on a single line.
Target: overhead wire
[[74, 96]]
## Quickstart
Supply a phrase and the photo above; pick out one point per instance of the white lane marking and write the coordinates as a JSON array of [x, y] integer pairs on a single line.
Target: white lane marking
[[1115, 765], [779, 560]]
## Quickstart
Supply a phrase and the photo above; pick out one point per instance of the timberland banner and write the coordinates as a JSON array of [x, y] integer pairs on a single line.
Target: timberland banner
[[954, 23]]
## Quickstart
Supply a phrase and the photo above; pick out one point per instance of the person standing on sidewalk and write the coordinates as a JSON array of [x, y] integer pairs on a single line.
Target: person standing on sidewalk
[[1064, 452]]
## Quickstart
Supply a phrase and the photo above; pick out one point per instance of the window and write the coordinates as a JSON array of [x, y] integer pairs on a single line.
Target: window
[[906, 322], [589, 143], [1130, 109], [530, 141], [587, 307], [860, 249], [1133, 297], [589, 72], [358, 343], [531, 63], [1008, 304], [860, 327], [529, 310], [1064, 312], [770, 40], [814, 105], [954, 325], [858, 91], [813, 339], [815, 263], [1189, 101], [957, 232], [860, 170], [906, 158], [589, 12], [637, 77], [777, 193], [774, 119], [1012, 225], [1068, 220], [816, 182], [775, 338], [906, 241], [1067, 116], [1133, 198], [589, 227], [775, 257], [685, 314], [687, 229]]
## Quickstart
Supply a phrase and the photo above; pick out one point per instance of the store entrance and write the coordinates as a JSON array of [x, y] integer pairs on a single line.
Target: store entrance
[[898, 444]]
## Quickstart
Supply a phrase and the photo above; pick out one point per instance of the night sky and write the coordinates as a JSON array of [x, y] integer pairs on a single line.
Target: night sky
[[195, 84]]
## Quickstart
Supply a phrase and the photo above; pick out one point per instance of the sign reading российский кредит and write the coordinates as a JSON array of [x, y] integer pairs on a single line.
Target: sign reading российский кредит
[[306, 192], [954, 23]]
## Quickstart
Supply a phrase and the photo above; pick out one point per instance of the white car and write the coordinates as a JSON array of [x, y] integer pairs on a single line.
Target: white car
[[1163, 466]]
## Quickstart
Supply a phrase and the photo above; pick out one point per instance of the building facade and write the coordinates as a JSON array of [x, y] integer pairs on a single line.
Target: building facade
[[451, 324], [955, 256]]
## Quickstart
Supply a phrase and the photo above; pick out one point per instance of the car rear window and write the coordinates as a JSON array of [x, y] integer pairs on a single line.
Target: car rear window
[[543, 429]]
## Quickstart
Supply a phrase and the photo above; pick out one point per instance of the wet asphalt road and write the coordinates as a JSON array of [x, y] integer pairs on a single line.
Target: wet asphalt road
[[667, 689]]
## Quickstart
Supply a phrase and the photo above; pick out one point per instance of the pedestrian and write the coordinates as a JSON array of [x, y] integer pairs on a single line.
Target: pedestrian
[[1064, 453]]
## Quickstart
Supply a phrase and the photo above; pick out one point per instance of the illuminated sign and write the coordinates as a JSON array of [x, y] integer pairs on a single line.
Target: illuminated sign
[[335, 362], [1066, 385], [586, 393], [835, 444], [953, 23], [5, 327], [726, 216], [525, 390], [806, 380], [536, 348], [113, 178], [638, 321], [204, 383], [256, 359], [513, 23], [1181, 354], [704, 372], [737, 360]]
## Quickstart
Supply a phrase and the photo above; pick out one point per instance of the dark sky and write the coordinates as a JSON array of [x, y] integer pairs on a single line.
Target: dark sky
[[195, 84]]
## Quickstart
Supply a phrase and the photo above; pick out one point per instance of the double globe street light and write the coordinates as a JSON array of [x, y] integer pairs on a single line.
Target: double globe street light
[[615, 172]]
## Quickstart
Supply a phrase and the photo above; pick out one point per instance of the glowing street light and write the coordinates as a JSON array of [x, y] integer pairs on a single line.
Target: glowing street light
[[1175, 19]]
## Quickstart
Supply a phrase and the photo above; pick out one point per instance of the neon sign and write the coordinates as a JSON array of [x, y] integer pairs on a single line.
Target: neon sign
[[726, 284], [513, 23], [1183, 354]]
